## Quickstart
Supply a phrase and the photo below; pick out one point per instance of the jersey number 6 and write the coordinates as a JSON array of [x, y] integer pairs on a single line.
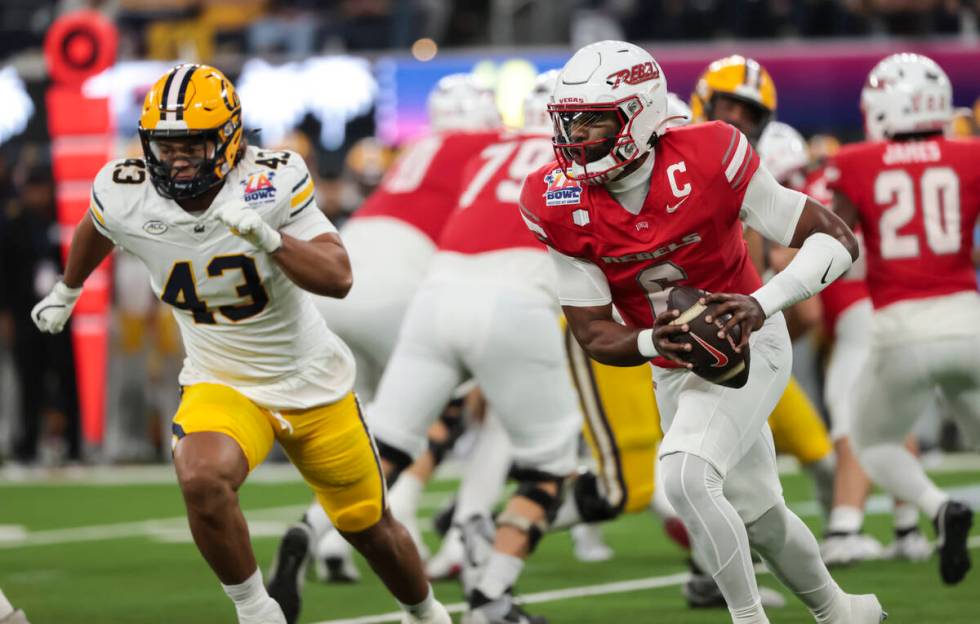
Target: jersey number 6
[[181, 293]]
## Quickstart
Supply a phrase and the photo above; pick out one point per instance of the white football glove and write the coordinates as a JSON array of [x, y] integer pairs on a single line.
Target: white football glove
[[52, 312], [248, 224]]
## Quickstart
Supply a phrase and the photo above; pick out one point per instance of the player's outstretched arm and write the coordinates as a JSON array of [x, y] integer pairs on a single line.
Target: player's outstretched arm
[[319, 265], [88, 249]]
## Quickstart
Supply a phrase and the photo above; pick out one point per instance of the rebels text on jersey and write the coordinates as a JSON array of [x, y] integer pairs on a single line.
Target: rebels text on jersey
[[242, 320], [422, 186], [917, 203], [686, 233], [486, 218], [849, 288]]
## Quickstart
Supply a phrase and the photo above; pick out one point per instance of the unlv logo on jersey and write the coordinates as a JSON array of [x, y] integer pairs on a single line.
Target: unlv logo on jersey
[[640, 72]]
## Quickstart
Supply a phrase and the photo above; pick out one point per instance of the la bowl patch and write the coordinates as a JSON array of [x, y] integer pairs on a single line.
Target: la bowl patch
[[259, 188], [562, 191]]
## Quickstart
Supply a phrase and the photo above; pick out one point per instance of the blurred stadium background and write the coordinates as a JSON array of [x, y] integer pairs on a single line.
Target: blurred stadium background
[[344, 83]]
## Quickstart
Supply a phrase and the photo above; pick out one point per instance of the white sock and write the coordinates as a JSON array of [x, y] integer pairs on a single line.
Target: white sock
[[486, 471], [421, 609], [249, 596], [905, 516], [5, 607], [694, 488], [318, 521], [845, 519], [901, 474], [791, 552], [500, 573], [403, 497]]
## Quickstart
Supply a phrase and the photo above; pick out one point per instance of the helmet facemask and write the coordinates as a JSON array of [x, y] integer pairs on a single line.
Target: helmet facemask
[[203, 151], [596, 159]]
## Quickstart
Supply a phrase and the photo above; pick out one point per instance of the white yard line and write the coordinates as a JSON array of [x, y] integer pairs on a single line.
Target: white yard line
[[653, 582], [12, 475]]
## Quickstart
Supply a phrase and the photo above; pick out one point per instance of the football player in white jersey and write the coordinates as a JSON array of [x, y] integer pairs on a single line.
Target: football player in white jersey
[[232, 238]]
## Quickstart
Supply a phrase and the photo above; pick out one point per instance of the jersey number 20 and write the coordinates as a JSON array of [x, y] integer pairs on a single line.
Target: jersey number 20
[[181, 293], [939, 189]]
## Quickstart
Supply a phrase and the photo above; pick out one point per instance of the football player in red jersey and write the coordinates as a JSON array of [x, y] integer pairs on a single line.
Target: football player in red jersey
[[629, 211], [916, 195], [391, 240], [488, 308], [846, 311]]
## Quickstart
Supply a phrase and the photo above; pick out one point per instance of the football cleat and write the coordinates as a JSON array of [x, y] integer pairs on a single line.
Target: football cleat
[[438, 615], [448, 562], [910, 545], [589, 545], [268, 612], [702, 592], [334, 560], [862, 609], [503, 610], [952, 525], [289, 570], [840, 549]]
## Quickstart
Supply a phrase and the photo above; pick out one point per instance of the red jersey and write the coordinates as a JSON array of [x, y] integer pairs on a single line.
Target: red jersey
[[422, 186], [917, 203], [486, 217], [686, 233], [849, 288]]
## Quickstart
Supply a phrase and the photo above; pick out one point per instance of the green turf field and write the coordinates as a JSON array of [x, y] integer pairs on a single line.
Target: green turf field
[[98, 554]]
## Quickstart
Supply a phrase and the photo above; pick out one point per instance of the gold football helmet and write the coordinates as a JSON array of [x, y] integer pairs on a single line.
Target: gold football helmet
[[738, 78], [192, 115]]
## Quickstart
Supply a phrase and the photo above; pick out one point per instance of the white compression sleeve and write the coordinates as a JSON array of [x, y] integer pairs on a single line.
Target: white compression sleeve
[[820, 260]]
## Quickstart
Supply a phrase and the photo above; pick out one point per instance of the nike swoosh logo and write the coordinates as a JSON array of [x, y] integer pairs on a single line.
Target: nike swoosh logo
[[673, 209], [823, 280], [720, 358]]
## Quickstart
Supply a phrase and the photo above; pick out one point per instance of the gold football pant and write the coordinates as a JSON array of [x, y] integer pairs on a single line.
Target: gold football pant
[[329, 444]]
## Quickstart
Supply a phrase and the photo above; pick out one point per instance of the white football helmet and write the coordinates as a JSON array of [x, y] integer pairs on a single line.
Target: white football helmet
[[905, 94], [536, 117], [678, 112], [607, 80], [462, 102], [784, 152]]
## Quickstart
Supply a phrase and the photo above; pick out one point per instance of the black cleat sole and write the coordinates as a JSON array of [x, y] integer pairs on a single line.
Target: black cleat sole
[[954, 554], [286, 578]]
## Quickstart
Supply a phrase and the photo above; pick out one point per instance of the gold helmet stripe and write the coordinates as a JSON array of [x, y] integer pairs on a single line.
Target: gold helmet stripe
[[173, 98]]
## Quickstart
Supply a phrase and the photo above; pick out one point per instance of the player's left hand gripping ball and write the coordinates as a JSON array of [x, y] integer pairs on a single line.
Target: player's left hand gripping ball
[[52, 312], [248, 224]]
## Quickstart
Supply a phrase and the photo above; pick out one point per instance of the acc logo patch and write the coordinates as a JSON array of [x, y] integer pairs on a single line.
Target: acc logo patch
[[641, 72], [155, 227], [562, 191], [259, 188]]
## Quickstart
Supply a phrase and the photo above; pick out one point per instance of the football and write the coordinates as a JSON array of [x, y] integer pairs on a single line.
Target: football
[[714, 358]]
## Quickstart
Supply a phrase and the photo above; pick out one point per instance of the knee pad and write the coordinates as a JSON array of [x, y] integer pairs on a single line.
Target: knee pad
[[452, 420], [357, 517], [399, 459], [591, 504], [528, 487]]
